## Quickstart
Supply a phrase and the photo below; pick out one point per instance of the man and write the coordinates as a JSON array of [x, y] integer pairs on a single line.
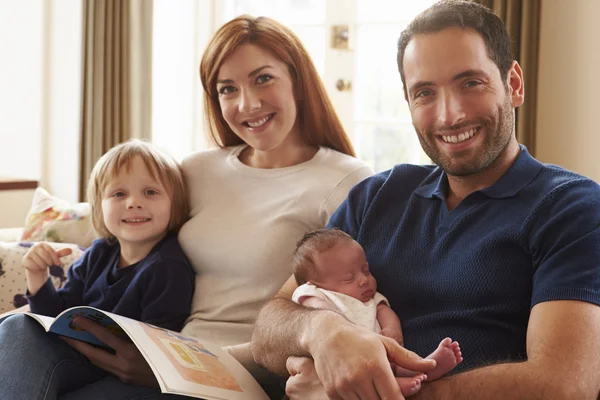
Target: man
[[491, 248]]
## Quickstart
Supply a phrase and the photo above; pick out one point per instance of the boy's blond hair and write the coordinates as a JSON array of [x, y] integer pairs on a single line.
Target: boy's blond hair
[[311, 244], [163, 168]]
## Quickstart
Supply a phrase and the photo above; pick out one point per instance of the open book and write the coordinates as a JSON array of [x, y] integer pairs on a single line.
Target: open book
[[182, 365]]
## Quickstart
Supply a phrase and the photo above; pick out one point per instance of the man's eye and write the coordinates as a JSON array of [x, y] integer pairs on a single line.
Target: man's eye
[[226, 90], [423, 93], [472, 83]]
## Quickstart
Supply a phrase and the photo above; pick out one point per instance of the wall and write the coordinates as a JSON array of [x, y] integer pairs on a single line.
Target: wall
[[569, 86], [62, 100], [20, 83]]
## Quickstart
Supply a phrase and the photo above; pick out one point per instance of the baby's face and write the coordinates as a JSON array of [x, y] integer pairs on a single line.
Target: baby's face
[[344, 269]]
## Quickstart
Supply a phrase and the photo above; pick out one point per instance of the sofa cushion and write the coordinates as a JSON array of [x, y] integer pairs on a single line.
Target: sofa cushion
[[12, 274], [53, 219]]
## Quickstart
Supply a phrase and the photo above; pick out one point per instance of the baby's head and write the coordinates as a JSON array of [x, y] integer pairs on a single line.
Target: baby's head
[[330, 259], [137, 168]]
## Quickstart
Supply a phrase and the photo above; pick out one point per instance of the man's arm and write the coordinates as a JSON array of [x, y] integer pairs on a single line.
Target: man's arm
[[563, 349], [285, 329]]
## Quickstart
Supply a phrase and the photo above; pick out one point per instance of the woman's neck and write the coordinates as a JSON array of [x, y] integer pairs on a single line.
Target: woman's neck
[[277, 158]]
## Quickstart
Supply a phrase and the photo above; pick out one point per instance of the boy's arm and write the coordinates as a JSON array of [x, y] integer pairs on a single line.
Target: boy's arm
[[389, 323], [168, 289]]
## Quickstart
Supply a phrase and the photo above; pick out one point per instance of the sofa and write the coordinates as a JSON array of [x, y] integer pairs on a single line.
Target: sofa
[[50, 219]]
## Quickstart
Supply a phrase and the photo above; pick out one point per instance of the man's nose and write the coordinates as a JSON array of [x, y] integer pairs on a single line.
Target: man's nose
[[450, 109], [249, 101]]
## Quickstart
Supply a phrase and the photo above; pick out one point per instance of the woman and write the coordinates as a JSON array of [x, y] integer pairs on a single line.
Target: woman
[[283, 165]]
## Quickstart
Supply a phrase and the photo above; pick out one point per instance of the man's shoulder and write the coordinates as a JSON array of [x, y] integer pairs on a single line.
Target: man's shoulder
[[406, 176], [554, 179]]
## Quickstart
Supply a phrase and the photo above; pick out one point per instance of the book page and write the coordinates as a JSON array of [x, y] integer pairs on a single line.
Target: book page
[[191, 367], [46, 322], [63, 325]]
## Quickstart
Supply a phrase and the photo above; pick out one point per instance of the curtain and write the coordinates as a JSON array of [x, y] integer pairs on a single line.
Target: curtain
[[522, 20], [117, 78]]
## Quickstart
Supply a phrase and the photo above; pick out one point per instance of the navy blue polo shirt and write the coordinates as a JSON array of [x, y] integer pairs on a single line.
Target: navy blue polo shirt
[[474, 273]]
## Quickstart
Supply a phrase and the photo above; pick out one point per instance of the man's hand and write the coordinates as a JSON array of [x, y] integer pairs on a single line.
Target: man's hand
[[303, 383], [354, 363], [127, 364]]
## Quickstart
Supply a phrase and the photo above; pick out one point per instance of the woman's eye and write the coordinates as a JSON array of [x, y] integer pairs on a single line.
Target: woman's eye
[[263, 78], [226, 90]]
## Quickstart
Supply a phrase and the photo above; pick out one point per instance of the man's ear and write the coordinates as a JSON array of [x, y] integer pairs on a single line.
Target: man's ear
[[515, 84]]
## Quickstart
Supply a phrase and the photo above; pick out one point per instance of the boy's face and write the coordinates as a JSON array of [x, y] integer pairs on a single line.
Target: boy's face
[[344, 269], [136, 208]]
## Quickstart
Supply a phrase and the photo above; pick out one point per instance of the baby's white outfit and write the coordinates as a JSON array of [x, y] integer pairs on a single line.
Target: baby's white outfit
[[362, 314]]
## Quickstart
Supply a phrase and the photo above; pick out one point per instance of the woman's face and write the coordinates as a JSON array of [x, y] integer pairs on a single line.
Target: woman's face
[[256, 94]]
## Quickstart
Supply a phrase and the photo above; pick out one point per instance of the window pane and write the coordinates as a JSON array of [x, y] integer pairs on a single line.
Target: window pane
[[296, 12], [390, 10], [314, 40], [377, 81], [383, 146]]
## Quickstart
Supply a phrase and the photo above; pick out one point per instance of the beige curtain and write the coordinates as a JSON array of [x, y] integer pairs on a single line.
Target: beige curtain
[[522, 20], [117, 77]]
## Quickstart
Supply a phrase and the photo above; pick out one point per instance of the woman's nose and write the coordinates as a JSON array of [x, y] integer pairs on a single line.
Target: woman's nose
[[249, 102]]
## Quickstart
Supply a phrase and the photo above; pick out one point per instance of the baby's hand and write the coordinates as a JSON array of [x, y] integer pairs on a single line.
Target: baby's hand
[[393, 333], [41, 256]]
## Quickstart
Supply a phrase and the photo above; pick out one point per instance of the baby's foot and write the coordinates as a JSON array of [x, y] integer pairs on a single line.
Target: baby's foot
[[410, 385], [447, 356]]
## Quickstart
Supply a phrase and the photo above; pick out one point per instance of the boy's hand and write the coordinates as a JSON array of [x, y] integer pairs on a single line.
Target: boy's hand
[[36, 262], [393, 333], [41, 255]]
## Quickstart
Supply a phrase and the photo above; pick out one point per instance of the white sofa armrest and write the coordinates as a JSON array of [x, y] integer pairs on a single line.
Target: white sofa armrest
[[10, 234]]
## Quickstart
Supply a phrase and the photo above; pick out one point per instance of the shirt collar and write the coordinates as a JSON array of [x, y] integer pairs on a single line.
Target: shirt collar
[[520, 173]]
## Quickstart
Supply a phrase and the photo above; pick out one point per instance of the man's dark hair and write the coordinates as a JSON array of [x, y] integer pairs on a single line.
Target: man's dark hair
[[465, 15]]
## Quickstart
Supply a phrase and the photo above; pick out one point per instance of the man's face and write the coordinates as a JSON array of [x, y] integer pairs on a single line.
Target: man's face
[[462, 109]]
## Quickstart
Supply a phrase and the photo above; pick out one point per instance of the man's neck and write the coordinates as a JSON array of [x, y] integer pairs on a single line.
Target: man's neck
[[459, 187]]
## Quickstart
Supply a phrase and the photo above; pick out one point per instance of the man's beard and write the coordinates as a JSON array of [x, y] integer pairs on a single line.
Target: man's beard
[[498, 136]]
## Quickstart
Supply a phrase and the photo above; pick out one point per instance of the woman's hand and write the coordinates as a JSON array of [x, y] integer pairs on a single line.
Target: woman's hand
[[127, 364]]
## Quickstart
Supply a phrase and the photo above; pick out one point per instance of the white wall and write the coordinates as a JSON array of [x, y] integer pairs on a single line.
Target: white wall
[[568, 131], [62, 102], [20, 88]]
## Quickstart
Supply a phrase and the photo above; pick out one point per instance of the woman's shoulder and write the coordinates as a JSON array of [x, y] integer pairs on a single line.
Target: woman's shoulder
[[339, 165]]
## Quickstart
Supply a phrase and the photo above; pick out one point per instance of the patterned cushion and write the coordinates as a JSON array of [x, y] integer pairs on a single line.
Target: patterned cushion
[[12, 274], [56, 220]]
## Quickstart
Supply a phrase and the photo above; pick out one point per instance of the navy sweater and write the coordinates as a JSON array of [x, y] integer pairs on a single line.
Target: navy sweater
[[157, 290], [475, 272]]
